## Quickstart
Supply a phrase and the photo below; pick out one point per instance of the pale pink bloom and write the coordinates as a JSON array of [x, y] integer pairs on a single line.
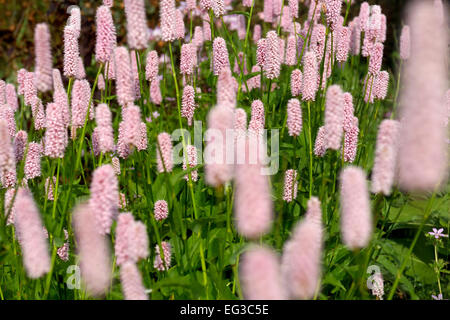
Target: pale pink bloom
[[75, 19], [286, 19], [55, 133], [123, 149], [226, 88], [356, 218], [131, 240], [364, 14], [81, 94], [260, 275], [268, 11], [136, 24], [310, 77], [206, 28], [256, 33], [81, 71], [7, 114], [132, 125], [2, 92], [60, 98], [71, 52], [161, 210], [143, 141], [188, 104], [218, 7], [355, 39], [240, 120], [164, 152], [296, 82], [334, 117], [11, 97], [37, 110], [333, 11], [110, 69], [290, 185], [57, 80], [423, 148], [116, 165], [301, 262], [247, 3], [20, 143], [242, 63], [348, 111], [383, 29], [135, 75], [291, 51], [152, 64], [168, 18], [253, 203], [101, 85], [7, 158], [124, 80], [21, 81], [95, 143], [220, 56], [317, 43], [104, 194], [351, 141], [319, 146], [405, 45], [257, 120], [217, 170], [381, 84], [343, 44], [43, 64], [261, 52], [158, 263], [30, 90], [376, 58], [369, 85], [104, 128], [383, 172], [191, 4], [294, 117], [29, 227], [273, 56], [293, 8], [108, 3], [198, 40], [106, 35], [192, 160], [188, 59], [63, 252], [33, 161], [49, 187], [155, 92], [93, 251], [131, 281], [179, 25]]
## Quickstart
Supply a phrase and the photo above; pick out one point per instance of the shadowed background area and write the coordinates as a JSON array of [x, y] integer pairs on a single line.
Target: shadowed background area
[[18, 19]]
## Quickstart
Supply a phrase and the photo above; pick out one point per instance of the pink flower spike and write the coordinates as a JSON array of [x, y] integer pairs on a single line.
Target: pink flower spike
[[296, 82], [227, 87], [257, 120], [261, 52], [268, 11], [136, 24], [93, 251], [104, 195], [168, 19], [310, 77], [30, 90], [132, 125], [124, 82], [155, 92], [158, 263], [343, 44], [302, 254], [143, 141], [188, 104], [334, 117], [152, 65], [294, 117], [33, 161], [376, 58], [188, 58], [348, 111], [81, 93], [161, 210], [351, 141], [71, 52], [11, 97], [7, 158], [381, 85], [405, 46], [220, 56], [218, 7], [106, 35], [383, 172], [43, 70], [55, 133], [29, 227], [273, 56], [319, 146], [20, 144], [259, 273], [356, 218], [291, 51], [192, 160], [131, 280], [179, 25]]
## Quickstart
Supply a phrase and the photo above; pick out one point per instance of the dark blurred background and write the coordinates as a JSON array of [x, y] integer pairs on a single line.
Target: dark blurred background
[[18, 19]]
